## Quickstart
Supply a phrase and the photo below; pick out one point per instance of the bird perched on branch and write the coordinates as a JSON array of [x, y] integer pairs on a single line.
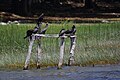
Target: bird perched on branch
[[28, 33], [70, 32], [44, 30], [62, 32], [36, 28], [73, 30], [31, 31]]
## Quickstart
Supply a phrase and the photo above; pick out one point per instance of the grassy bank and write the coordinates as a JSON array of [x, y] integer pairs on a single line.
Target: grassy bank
[[96, 44]]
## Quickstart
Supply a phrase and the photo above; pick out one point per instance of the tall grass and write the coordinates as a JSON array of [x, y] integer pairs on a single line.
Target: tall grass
[[96, 44]]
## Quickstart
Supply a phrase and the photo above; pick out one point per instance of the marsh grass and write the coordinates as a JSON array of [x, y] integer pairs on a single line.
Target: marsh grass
[[97, 43]]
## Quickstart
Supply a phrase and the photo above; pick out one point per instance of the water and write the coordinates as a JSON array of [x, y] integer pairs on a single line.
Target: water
[[109, 72]]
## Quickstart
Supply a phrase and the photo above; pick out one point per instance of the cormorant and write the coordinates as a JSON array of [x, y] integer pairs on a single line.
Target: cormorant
[[32, 31], [72, 31], [62, 32], [36, 28], [44, 30], [29, 33]]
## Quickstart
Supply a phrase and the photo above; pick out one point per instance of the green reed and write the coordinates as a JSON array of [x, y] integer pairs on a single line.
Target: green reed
[[97, 43]]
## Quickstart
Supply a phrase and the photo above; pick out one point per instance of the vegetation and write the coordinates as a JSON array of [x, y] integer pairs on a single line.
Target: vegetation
[[97, 43], [59, 7]]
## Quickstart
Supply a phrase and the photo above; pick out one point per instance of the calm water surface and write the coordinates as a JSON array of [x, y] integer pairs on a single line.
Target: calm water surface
[[108, 72]]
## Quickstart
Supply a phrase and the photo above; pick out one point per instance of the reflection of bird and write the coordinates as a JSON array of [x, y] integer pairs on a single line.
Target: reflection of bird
[[44, 30]]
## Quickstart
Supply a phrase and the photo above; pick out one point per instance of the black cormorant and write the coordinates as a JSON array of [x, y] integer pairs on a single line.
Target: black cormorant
[[72, 31], [29, 33], [44, 30], [62, 32], [32, 31], [36, 28]]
